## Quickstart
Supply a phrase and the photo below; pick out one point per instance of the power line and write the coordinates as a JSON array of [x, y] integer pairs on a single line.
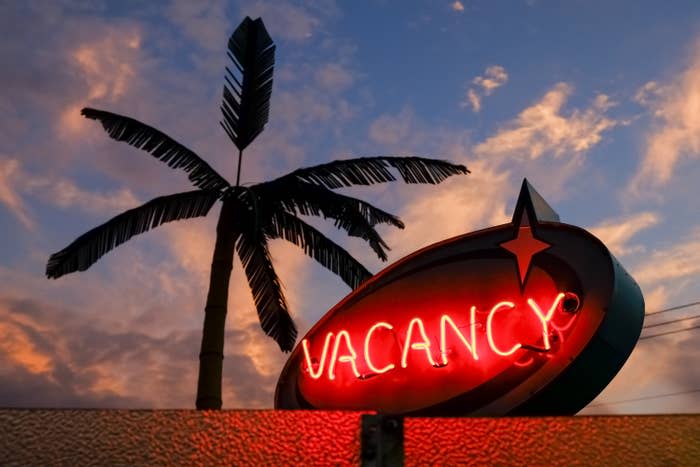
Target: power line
[[669, 332], [673, 308], [644, 398], [658, 396], [687, 318]]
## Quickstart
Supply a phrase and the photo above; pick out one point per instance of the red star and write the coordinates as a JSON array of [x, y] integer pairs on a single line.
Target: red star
[[524, 247]]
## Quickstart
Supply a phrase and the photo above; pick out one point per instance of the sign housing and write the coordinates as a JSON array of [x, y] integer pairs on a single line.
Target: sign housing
[[533, 317]]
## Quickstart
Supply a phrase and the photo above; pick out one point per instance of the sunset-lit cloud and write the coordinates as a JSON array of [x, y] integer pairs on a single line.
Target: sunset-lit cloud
[[65, 194], [286, 19], [106, 67], [16, 344], [392, 129], [462, 205], [334, 76], [674, 262], [473, 100], [554, 139], [364, 80], [203, 21], [60, 192], [652, 370], [494, 77], [675, 131], [9, 173], [65, 361], [655, 298], [617, 233], [546, 127]]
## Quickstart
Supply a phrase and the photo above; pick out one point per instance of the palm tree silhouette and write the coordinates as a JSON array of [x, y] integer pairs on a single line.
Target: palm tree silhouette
[[251, 215]]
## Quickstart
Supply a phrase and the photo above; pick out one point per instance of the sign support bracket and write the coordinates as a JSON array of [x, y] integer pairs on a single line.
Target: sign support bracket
[[381, 440]]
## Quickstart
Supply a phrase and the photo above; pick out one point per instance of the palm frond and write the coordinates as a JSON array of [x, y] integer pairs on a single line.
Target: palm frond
[[160, 146], [319, 247], [315, 200], [89, 247], [354, 216], [267, 290], [370, 170], [246, 104]]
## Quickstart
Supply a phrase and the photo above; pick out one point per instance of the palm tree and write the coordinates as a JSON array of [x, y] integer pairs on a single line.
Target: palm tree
[[251, 215]]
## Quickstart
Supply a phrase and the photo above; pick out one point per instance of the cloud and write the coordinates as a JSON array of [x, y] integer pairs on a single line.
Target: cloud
[[141, 306], [334, 77], [203, 21], [544, 128], [656, 299], [674, 262], [648, 92], [299, 117], [484, 198], [462, 204], [66, 194], [144, 316], [662, 365], [56, 191], [658, 365], [391, 130], [106, 66], [139, 309], [457, 6], [62, 359], [9, 174], [286, 20], [675, 134], [494, 77], [473, 100], [191, 245], [459, 205], [617, 233]]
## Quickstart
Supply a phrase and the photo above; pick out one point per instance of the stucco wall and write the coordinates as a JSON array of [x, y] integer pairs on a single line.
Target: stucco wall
[[107, 437]]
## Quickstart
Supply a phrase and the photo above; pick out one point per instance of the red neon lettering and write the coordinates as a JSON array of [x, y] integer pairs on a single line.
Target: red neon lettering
[[566, 326], [305, 344], [421, 342], [472, 333], [371, 366], [423, 345], [525, 363], [350, 358], [489, 330], [544, 319]]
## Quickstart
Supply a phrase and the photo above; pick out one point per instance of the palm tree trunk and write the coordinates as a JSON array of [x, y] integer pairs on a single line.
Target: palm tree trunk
[[211, 355]]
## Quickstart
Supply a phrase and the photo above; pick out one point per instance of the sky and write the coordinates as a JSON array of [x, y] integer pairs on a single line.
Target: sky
[[597, 103]]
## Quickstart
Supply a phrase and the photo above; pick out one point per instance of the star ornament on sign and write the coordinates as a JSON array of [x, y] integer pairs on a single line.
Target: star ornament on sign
[[526, 245]]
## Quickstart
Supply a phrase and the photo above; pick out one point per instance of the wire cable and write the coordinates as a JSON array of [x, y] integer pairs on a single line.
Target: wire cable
[[644, 398], [688, 318], [670, 332], [673, 308], [655, 325]]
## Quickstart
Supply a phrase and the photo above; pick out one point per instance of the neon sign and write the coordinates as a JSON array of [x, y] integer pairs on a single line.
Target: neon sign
[[410, 343], [531, 317]]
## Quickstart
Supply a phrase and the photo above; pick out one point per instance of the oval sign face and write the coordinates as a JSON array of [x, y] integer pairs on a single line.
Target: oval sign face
[[523, 318]]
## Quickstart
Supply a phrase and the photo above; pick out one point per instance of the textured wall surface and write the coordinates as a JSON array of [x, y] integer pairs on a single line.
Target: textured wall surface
[[245, 437], [185, 437], [620, 440]]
